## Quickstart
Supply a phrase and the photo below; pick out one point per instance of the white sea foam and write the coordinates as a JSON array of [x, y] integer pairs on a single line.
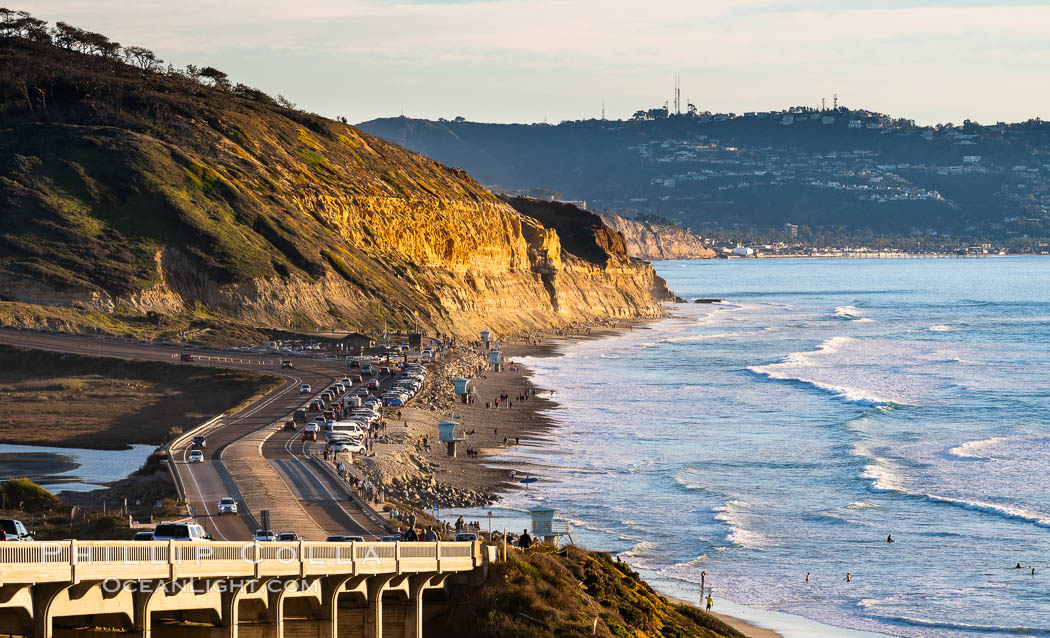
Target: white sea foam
[[733, 514], [941, 328], [977, 449], [860, 505]]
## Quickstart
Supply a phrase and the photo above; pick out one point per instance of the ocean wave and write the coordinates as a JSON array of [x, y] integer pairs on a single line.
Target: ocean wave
[[961, 626], [972, 449], [739, 535], [941, 328], [885, 479], [848, 313], [859, 505], [852, 395]]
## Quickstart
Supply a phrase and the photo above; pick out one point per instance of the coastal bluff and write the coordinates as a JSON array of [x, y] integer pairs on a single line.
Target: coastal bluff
[[143, 201], [648, 240]]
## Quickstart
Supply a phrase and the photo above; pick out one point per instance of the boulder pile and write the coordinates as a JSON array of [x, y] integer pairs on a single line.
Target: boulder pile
[[437, 394], [425, 491]]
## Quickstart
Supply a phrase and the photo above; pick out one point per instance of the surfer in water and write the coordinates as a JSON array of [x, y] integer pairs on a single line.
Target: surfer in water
[[889, 538]]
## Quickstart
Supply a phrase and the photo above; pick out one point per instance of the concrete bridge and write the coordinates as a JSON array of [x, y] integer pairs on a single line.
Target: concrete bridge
[[229, 590]]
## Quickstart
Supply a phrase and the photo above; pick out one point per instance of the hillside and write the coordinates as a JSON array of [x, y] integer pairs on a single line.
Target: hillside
[[570, 592], [138, 200], [828, 171]]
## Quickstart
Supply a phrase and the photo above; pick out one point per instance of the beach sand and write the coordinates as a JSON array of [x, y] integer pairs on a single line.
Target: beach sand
[[520, 422]]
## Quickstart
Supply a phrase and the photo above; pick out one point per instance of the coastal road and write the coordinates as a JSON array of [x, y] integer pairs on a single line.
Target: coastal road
[[205, 483]]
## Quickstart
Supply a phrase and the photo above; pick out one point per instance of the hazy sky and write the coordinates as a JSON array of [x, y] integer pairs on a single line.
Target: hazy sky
[[535, 60]]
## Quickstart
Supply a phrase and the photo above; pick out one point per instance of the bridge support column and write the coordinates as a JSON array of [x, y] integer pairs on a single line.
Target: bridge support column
[[374, 615]]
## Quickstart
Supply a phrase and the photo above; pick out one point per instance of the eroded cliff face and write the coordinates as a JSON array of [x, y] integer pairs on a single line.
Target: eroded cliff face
[[658, 241], [251, 213]]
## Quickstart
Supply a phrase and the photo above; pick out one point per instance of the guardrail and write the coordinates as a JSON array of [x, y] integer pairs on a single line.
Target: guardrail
[[177, 441], [70, 561]]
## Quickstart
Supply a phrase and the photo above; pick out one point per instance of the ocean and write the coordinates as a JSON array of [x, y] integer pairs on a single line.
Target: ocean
[[824, 405]]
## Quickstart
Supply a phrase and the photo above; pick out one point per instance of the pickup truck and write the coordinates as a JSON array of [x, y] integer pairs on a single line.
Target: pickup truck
[[13, 530]]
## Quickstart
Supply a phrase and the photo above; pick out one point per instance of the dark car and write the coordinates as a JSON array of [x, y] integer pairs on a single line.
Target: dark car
[[315, 406], [185, 357], [285, 363], [345, 539], [299, 415], [289, 425], [143, 536], [199, 441], [288, 537]]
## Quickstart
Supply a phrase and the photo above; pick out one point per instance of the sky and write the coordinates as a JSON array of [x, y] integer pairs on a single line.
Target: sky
[[935, 61]]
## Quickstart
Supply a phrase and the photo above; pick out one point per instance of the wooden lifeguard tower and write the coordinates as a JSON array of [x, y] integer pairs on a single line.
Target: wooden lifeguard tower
[[461, 387], [549, 527], [447, 434]]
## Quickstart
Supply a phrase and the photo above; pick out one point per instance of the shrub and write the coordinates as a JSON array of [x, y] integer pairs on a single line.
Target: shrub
[[28, 496]]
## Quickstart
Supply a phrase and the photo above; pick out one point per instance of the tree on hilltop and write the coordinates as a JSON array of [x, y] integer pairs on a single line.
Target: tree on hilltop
[[142, 58], [218, 78], [20, 24]]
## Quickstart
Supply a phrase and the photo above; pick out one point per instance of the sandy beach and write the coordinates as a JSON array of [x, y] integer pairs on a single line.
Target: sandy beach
[[491, 430]]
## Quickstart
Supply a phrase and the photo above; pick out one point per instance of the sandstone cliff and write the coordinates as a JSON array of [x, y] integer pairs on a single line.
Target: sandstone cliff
[[647, 240], [135, 193]]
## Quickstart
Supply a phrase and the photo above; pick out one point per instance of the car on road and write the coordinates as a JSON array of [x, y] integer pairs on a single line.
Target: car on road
[[288, 537], [299, 415], [345, 539], [143, 536], [200, 441], [196, 456], [289, 425], [366, 369], [345, 381], [315, 406], [373, 384], [352, 362], [305, 389], [180, 532], [285, 363], [427, 355], [12, 529], [353, 448], [384, 370], [263, 536], [390, 539], [308, 435], [227, 505], [466, 536], [185, 357]]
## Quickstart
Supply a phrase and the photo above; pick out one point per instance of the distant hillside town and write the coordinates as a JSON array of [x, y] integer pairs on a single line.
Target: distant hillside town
[[842, 176]]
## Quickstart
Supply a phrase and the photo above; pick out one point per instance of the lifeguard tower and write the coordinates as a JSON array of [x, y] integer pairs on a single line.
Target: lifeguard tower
[[461, 389], [486, 338], [495, 359], [447, 433], [547, 526]]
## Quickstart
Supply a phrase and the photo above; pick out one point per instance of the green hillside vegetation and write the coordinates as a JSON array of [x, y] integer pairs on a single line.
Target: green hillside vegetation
[[545, 593]]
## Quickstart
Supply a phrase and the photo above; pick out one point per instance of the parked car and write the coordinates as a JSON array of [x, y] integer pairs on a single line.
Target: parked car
[[200, 441], [289, 425], [373, 384], [466, 536], [305, 389], [345, 539], [180, 532], [196, 456], [288, 537], [143, 536], [390, 539], [227, 505], [263, 536], [12, 529]]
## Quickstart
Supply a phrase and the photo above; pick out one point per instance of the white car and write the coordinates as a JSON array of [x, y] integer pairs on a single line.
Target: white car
[[227, 505], [180, 532], [196, 456], [262, 536], [305, 389], [346, 381], [355, 448]]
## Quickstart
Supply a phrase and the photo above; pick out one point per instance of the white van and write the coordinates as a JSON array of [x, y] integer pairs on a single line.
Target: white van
[[180, 532]]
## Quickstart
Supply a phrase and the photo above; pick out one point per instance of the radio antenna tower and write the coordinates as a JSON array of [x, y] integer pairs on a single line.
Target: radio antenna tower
[[835, 97], [677, 95], [823, 104]]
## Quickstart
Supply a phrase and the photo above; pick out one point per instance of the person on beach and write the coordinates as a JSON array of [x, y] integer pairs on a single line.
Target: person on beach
[[710, 602]]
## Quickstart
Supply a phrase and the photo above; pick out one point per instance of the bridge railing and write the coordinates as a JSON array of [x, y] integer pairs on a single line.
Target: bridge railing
[[62, 561]]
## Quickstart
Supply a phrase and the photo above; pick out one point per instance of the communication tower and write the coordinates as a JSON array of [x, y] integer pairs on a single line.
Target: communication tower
[[835, 101]]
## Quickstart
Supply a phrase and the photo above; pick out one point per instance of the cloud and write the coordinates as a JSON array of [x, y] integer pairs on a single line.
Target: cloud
[[552, 54]]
